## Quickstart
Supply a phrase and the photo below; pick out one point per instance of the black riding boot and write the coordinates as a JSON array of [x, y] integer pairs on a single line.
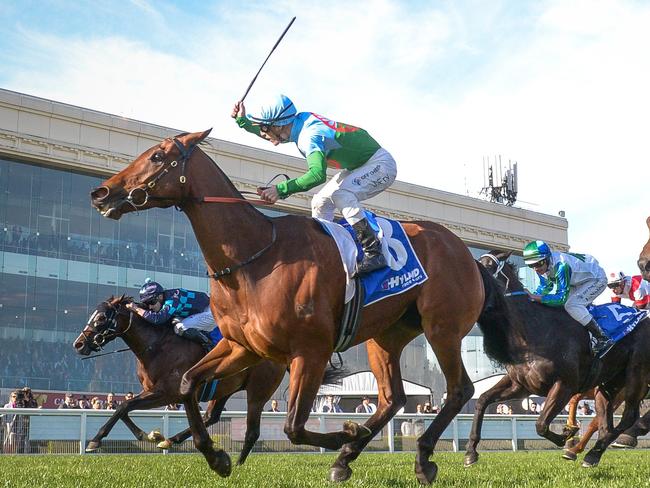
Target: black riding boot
[[373, 259], [603, 343], [195, 335]]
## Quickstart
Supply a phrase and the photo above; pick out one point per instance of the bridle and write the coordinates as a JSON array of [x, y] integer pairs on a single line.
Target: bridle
[[137, 203], [499, 268], [109, 332]]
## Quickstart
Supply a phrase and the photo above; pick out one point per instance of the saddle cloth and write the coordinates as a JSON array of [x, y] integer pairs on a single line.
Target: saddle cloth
[[404, 270], [617, 320]]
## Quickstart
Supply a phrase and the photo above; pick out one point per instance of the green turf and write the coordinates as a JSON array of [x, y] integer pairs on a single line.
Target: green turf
[[512, 470]]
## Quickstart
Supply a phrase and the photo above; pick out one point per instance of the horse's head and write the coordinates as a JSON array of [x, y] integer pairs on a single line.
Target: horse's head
[[644, 257], [109, 320], [156, 178], [496, 263]]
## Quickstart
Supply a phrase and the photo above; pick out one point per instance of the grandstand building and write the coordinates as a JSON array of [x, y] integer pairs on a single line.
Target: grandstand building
[[59, 258]]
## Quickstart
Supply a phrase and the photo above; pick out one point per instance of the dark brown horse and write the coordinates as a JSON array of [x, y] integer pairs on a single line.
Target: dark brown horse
[[162, 358], [278, 293], [553, 359]]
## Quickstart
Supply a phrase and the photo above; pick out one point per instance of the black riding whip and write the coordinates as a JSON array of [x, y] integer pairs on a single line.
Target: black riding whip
[[267, 58]]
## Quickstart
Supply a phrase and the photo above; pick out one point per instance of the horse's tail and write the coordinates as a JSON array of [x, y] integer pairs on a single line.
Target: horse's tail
[[494, 321]]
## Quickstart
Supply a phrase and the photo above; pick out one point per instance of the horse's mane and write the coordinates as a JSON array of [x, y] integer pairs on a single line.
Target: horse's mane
[[495, 322]]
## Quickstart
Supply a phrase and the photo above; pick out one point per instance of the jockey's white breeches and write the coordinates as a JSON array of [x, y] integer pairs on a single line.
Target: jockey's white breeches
[[203, 321], [582, 295], [347, 189]]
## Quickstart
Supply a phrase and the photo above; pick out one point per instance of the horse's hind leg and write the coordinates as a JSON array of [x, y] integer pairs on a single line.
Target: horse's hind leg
[[447, 348], [635, 389], [505, 389], [144, 401], [212, 416], [305, 376], [383, 354], [629, 437], [260, 386]]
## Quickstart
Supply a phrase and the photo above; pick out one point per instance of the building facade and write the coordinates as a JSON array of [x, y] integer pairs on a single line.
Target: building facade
[[59, 258]]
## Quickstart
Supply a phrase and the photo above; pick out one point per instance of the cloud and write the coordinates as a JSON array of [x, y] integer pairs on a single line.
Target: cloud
[[559, 86]]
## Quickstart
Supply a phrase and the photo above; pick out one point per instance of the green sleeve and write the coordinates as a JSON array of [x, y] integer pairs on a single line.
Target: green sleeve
[[315, 175], [246, 124], [562, 287]]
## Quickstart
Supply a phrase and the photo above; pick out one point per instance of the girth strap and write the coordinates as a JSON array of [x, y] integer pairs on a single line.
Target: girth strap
[[351, 318]]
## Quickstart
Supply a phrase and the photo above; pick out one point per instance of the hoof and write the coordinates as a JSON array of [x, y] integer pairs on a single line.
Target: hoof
[[221, 463], [357, 431], [155, 436], [570, 455], [93, 446], [471, 458], [340, 473], [166, 444], [426, 473], [625, 441], [592, 459]]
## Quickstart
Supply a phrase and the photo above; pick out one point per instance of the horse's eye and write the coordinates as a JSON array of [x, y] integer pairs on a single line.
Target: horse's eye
[[158, 157]]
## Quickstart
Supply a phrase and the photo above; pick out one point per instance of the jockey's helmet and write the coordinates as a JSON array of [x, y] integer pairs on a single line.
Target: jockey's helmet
[[280, 111], [536, 251], [150, 291], [615, 278]]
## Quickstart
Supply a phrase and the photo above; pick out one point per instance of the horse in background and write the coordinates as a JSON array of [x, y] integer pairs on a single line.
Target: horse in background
[[553, 359], [644, 257], [277, 295], [162, 358]]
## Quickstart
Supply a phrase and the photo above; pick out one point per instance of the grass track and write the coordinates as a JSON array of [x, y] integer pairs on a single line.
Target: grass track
[[497, 469]]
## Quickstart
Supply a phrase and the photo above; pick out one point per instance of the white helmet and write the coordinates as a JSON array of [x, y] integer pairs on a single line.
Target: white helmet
[[615, 277]]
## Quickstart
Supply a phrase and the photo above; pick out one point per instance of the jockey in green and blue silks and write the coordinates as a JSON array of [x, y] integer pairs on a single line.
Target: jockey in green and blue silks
[[366, 168], [570, 280], [189, 310]]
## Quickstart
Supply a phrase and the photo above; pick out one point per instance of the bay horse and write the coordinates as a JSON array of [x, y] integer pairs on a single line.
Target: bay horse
[[553, 359], [162, 358], [278, 293], [644, 257]]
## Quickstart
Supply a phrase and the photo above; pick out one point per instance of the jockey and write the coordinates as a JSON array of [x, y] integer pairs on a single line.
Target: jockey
[[634, 288], [569, 280], [189, 311], [366, 168]]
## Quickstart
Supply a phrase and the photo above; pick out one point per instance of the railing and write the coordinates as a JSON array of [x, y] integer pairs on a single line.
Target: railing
[[48, 431]]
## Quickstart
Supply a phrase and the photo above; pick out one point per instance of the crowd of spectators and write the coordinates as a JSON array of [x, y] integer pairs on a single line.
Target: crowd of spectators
[[56, 366], [128, 254]]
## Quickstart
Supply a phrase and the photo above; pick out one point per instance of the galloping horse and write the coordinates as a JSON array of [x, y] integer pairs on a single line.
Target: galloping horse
[[554, 360], [162, 358], [278, 293]]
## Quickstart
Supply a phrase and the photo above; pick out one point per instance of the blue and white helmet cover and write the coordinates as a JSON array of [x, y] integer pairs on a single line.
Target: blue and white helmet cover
[[280, 111]]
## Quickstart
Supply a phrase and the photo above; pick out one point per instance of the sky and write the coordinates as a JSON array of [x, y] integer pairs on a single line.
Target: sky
[[560, 86]]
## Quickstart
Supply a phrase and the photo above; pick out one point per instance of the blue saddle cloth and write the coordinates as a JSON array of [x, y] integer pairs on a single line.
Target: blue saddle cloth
[[209, 390], [404, 271], [617, 320]]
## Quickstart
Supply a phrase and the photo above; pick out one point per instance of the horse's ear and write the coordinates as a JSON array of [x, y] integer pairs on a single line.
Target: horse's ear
[[122, 297], [647, 221], [194, 138], [506, 255]]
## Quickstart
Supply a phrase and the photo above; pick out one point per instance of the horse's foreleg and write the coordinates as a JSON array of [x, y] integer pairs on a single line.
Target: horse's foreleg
[[304, 381], [226, 359], [505, 389], [143, 401], [459, 390], [572, 453], [260, 386], [573, 409], [383, 354], [557, 398]]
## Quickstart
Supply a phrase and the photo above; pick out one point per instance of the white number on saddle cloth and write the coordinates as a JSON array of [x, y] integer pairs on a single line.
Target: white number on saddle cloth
[[396, 259]]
